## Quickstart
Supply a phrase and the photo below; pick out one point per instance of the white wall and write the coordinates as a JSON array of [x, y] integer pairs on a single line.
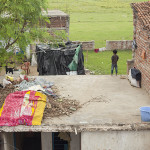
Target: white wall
[[116, 140]]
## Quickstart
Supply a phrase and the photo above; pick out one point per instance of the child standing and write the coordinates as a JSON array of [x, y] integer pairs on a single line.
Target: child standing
[[114, 59]]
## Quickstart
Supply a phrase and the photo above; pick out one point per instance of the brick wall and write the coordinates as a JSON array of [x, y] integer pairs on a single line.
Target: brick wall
[[88, 45], [122, 45], [143, 44], [57, 22]]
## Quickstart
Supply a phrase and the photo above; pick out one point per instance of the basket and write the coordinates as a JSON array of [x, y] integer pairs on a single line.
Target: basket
[[145, 114]]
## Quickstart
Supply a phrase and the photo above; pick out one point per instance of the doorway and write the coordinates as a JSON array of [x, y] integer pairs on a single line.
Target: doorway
[[27, 140]]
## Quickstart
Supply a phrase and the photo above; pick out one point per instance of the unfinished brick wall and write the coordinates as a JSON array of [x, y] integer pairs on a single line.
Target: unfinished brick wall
[[88, 45], [122, 45], [57, 22], [142, 38]]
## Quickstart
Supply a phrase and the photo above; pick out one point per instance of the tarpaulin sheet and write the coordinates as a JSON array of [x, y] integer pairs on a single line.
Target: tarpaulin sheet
[[55, 61], [73, 65], [38, 84], [23, 108]]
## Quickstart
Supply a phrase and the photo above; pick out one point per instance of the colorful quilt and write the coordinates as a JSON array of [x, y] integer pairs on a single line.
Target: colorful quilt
[[23, 108]]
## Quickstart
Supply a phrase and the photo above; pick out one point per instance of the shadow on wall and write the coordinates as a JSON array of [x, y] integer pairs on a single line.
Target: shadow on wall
[[1, 142]]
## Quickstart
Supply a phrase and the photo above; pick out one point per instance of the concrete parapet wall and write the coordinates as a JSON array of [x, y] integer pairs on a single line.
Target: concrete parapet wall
[[86, 45], [122, 45]]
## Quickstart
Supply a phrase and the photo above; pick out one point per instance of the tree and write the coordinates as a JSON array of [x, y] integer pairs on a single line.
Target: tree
[[20, 25]]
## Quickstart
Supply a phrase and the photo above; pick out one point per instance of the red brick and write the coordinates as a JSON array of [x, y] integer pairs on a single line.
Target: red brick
[[142, 40]]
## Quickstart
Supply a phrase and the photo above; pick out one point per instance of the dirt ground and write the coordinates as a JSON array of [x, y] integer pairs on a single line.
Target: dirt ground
[[33, 71]]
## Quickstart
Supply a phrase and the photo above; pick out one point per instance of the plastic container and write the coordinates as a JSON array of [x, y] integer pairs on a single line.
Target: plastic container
[[145, 114]]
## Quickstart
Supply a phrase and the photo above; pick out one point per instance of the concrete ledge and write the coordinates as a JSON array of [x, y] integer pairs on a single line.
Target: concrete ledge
[[78, 128]]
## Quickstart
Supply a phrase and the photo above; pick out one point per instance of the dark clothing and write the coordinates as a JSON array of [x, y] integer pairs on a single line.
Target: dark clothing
[[114, 59], [136, 74]]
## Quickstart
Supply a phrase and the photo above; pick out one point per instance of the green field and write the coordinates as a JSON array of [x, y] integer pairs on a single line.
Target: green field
[[100, 63], [99, 20]]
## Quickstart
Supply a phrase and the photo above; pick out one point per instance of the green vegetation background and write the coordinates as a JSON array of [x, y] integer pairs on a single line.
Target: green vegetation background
[[99, 20]]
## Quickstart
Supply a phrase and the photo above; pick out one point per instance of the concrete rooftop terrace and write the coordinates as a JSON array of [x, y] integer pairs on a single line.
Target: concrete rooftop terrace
[[108, 103]]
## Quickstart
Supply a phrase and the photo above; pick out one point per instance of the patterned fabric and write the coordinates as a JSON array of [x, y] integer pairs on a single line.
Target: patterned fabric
[[23, 108]]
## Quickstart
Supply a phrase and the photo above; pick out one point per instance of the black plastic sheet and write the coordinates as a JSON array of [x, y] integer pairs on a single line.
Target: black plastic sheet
[[55, 61]]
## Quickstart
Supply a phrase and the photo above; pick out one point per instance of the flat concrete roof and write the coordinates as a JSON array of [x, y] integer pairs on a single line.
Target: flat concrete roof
[[108, 103], [54, 13]]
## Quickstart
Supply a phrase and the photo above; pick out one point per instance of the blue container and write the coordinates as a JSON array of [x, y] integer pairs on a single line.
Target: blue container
[[145, 114]]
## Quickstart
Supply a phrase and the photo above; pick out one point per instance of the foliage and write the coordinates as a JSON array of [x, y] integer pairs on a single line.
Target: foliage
[[20, 22]]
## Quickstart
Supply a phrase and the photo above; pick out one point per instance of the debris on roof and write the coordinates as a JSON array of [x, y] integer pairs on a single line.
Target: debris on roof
[[35, 88]]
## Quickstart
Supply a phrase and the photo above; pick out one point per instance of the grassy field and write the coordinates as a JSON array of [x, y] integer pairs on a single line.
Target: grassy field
[[100, 62], [99, 20]]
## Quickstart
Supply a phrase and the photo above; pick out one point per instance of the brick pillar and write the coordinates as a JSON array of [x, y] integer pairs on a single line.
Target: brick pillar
[[130, 64]]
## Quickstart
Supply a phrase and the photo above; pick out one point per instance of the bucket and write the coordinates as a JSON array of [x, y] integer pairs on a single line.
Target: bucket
[[145, 114]]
